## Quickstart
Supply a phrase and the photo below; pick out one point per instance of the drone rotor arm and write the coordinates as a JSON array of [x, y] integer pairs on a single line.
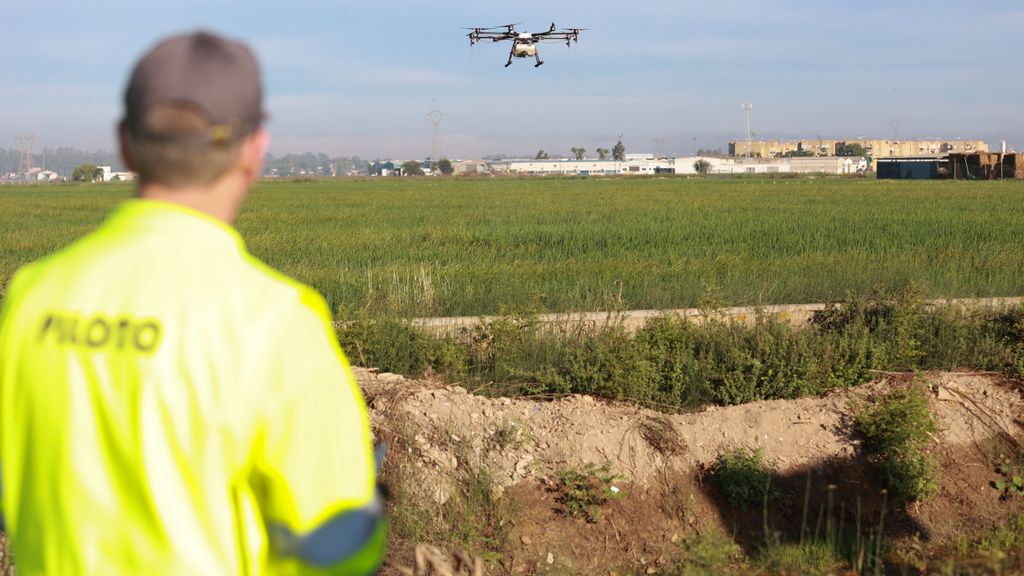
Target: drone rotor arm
[[555, 37]]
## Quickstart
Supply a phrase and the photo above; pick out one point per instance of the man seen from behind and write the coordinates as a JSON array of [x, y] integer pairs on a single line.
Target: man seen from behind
[[169, 404]]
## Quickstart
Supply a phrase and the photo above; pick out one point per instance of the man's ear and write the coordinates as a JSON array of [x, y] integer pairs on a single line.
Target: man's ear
[[253, 152], [123, 146]]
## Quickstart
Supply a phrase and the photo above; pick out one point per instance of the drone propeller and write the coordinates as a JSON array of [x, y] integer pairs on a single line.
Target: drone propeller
[[492, 27]]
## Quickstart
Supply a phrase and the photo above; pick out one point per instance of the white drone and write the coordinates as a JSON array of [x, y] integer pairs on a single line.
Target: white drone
[[524, 44]]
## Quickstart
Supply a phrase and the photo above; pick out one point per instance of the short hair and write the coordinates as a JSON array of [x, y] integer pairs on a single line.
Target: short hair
[[176, 146]]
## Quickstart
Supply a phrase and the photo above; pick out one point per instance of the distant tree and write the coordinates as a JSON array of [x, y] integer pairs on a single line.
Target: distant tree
[[619, 151], [702, 166], [578, 153], [541, 155], [445, 166], [602, 153], [411, 168], [851, 149], [801, 153], [85, 173], [709, 152]]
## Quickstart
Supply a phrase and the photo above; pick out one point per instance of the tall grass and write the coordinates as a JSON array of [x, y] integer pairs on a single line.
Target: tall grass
[[430, 247], [675, 364]]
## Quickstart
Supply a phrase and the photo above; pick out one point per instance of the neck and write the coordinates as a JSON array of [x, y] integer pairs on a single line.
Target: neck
[[222, 199]]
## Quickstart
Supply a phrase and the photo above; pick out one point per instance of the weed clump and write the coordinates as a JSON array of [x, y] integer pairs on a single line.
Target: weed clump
[[1010, 481], [583, 492], [708, 553], [659, 434], [673, 363], [473, 518], [744, 478], [396, 346], [896, 430]]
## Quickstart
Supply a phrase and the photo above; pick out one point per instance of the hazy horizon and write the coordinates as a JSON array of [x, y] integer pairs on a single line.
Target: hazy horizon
[[360, 79]]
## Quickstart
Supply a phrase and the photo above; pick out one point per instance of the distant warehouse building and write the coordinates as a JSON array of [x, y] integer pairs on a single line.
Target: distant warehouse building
[[873, 148], [985, 166], [909, 168], [804, 165], [977, 166], [640, 165]]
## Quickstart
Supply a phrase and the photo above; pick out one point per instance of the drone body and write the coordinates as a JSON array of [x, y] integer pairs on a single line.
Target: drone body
[[524, 44]]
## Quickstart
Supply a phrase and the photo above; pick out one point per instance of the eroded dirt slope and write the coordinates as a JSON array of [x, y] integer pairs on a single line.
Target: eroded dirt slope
[[522, 438], [524, 443]]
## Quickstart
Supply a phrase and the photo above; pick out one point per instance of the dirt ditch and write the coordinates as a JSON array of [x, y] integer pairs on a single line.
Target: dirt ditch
[[653, 463]]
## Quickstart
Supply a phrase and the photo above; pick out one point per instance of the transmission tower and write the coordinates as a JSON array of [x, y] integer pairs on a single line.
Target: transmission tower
[[25, 141], [435, 146], [747, 107], [659, 143]]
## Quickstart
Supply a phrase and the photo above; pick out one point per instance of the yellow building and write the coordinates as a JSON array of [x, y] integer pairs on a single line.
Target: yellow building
[[874, 148]]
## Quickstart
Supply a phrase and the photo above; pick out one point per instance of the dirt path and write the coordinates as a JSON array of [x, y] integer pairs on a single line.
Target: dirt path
[[632, 320]]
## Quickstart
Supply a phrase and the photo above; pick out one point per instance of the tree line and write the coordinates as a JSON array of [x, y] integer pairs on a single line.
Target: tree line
[[65, 160], [618, 152], [310, 164], [61, 160]]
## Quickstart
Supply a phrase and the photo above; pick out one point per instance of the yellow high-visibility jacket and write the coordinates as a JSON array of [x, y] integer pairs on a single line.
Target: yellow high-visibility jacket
[[170, 405]]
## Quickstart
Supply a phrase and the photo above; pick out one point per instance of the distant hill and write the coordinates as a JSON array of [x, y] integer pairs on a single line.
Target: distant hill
[[61, 160]]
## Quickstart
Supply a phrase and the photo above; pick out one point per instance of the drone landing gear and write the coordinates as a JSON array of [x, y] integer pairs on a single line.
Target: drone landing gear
[[539, 61], [511, 53]]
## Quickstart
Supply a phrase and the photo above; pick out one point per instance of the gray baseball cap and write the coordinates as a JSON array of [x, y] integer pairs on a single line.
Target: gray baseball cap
[[217, 76]]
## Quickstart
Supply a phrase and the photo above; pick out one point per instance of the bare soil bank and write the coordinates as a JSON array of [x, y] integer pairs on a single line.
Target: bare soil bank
[[438, 432]]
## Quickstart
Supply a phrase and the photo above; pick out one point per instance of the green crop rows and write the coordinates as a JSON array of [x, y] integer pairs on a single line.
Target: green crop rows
[[433, 247]]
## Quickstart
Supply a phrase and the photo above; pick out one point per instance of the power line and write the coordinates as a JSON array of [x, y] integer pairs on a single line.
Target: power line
[[25, 141], [435, 145], [747, 107]]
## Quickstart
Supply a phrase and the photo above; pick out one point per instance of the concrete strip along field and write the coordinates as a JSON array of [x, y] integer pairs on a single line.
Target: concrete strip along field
[[633, 320]]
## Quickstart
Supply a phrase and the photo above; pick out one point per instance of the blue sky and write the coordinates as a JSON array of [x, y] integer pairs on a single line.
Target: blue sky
[[360, 78]]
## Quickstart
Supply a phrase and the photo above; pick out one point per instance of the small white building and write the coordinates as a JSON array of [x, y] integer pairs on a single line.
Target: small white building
[[110, 176], [47, 176], [460, 167], [688, 164]]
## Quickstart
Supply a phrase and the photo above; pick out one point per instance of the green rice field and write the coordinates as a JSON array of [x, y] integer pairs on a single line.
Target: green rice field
[[441, 247]]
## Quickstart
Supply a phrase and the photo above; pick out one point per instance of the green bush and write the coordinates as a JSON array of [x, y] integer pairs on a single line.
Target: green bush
[[583, 492], [397, 346], [708, 553], [896, 431], [744, 478], [1010, 471], [673, 363]]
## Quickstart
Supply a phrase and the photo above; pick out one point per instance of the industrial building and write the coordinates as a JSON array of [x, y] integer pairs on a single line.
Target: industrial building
[[110, 176], [909, 168], [651, 165], [976, 166], [643, 165], [985, 166], [873, 148]]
